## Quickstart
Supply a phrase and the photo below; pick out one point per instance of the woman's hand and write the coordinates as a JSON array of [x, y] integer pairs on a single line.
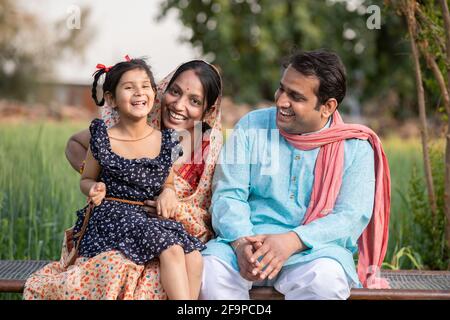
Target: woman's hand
[[97, 193], [167, 203], [150, 206]]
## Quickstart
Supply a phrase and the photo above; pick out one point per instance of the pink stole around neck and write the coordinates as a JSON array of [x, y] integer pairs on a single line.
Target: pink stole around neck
[[327, 182]]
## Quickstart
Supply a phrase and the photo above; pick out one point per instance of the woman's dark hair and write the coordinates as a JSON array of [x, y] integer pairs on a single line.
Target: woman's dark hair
[[115, 73], [327, 67], [209, 77]]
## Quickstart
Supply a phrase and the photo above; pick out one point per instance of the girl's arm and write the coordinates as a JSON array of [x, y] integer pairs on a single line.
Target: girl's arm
[[76, 148], [96, 191], [167, 202]]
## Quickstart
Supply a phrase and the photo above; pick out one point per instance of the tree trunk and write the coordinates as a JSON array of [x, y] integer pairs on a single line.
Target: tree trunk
[[446, 16], [432, 64], [409, 11]]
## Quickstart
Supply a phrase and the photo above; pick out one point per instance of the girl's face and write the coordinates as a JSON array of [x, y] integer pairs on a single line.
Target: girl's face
[[134, 95], [183, 102]]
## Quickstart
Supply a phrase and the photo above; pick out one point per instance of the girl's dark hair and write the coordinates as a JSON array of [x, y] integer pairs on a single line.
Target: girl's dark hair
[[327, 67], [115, 73], [209, 77]]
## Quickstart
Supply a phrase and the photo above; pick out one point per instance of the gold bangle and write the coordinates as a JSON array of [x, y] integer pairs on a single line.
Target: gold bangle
[[81, 169]]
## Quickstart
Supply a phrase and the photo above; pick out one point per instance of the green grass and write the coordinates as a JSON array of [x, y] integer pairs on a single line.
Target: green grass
[[39, 191], [402, 155]]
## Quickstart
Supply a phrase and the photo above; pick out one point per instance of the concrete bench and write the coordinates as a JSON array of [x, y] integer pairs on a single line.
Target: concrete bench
[[405, 284]]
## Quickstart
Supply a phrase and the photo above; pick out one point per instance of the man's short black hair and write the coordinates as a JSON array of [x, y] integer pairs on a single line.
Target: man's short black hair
[[327, 67]]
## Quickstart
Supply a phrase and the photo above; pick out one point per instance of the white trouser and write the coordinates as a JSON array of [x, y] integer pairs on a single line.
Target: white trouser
[[320, 279]]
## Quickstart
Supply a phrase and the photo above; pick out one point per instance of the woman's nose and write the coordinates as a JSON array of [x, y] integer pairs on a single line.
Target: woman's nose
[[180, 104]]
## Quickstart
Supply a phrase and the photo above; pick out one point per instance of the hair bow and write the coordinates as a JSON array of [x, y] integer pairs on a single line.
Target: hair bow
[[102, 66], [106, 69]]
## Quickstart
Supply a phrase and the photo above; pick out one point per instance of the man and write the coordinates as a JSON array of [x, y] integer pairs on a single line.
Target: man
[[295, 224]]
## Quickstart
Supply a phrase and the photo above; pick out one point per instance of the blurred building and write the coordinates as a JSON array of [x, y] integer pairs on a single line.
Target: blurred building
[[66, 94]]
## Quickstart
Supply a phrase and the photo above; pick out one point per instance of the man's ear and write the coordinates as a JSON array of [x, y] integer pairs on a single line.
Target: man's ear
[[110, 101], [329, 107]]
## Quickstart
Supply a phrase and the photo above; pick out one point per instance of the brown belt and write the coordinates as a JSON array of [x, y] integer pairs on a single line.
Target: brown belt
[[139, 203]]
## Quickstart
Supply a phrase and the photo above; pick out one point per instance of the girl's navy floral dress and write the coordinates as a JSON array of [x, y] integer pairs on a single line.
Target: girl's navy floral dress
[[126, 227]]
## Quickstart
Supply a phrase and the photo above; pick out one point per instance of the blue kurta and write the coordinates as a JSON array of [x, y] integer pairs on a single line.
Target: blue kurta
[[262, 185]]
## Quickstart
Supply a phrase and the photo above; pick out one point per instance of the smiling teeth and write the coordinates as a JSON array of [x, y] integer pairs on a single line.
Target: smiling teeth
[[284, 113], [177, 116], [139, 103]]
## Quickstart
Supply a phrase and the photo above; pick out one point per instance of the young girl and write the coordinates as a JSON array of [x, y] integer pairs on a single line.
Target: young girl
[[126, 165]]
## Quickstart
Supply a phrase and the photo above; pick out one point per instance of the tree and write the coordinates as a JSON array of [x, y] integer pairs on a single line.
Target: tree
[[28, 48], [446, 93], [249, 38], [408, 8], [429, 30]]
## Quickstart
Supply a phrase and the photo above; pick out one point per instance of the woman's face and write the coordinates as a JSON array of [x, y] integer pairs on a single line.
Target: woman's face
[[184, 102]]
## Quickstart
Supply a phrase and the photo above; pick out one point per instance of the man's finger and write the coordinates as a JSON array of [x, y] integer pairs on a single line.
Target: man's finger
[[264, 262], [257, 238], [248, 252], [275, 271], [266, 272], [250, 277], [247, 274], [270, 266], [260, 252], [256, 246]]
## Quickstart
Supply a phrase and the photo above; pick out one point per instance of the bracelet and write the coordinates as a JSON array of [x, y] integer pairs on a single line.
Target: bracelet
[[238, 243], [81, 169]]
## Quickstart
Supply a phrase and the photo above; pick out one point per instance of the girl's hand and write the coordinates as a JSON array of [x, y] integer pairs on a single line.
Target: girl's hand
[[167, 203], [97, 193]]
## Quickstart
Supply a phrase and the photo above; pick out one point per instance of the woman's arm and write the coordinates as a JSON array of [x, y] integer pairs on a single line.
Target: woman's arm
[[96, 191], [77, 147]]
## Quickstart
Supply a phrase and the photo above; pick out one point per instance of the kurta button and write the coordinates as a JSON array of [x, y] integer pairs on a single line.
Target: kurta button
[[297, 157], [294, 178], [291, 196]]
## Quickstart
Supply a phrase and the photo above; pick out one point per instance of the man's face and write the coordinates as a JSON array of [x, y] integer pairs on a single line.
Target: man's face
[[296, 101]]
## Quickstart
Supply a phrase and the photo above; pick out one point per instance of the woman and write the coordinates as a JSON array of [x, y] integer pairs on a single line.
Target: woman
[[188, 100]]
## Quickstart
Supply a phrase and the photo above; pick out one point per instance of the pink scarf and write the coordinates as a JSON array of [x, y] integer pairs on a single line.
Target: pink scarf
[[327, 182]]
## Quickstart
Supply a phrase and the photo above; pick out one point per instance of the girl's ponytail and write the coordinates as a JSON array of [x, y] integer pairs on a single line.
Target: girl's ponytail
[[97, 75]]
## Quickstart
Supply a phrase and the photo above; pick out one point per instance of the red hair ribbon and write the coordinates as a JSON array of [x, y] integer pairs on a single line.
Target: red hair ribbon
[[102, 66]]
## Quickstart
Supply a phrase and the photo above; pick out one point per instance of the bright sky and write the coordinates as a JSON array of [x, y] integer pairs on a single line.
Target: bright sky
[[122, 27]]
